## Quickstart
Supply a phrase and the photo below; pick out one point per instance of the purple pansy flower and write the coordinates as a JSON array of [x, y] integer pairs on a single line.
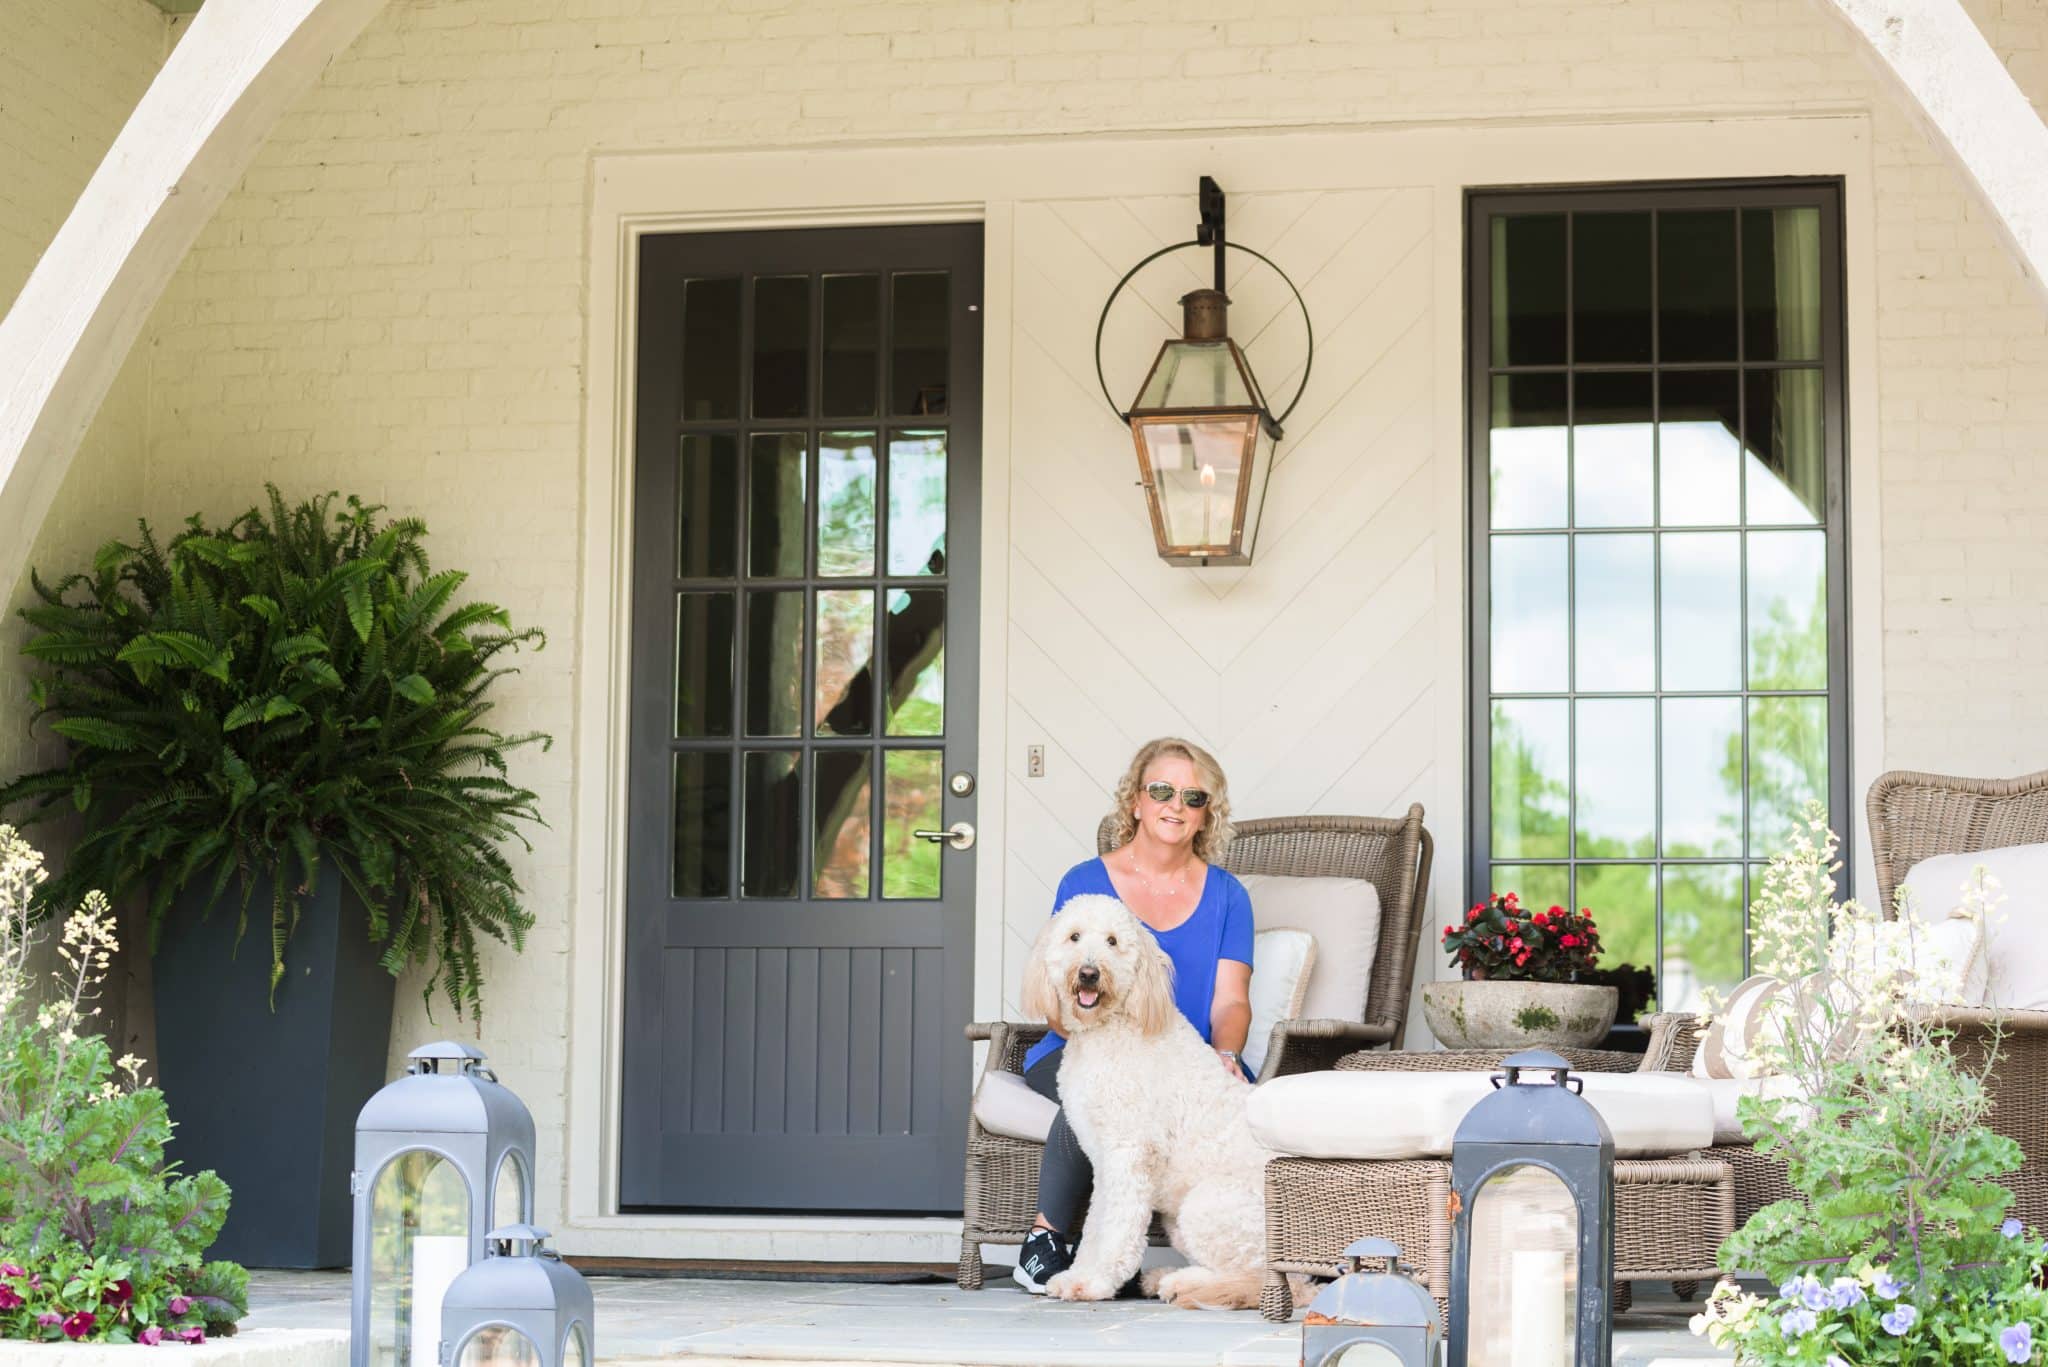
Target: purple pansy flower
[[10, 1299], [49, 1318], [1797, 1322], [1814, 1296], [195, 1334], [180, 1304], [1790, 1290], [1888, 1286], [2017, 1341], [1847, 1292], [153, 1335], [1837, 1360], [1899, 1320], [80, 1324], [2011, 1228], [10, 1270]]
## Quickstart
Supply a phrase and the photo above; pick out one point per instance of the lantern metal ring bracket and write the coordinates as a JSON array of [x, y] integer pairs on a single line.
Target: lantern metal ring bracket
[[1212, 236]]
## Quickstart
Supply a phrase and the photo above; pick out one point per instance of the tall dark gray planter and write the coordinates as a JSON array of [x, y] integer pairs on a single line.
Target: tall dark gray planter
[[268, 1098]]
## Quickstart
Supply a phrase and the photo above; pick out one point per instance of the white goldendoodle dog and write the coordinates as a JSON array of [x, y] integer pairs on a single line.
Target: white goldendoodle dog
[[1160, 1119]]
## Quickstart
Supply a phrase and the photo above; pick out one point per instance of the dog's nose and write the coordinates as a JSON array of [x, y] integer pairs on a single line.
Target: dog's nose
[[1088, 975]]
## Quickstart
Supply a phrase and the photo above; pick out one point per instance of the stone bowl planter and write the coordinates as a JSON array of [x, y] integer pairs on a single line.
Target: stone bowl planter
[[1518, 1015]]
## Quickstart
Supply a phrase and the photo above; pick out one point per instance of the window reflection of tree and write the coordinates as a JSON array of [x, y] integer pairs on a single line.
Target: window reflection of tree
[[1788, 764], [913, 637]]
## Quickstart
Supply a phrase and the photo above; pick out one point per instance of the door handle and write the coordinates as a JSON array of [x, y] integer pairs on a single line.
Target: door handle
[[960, 835]]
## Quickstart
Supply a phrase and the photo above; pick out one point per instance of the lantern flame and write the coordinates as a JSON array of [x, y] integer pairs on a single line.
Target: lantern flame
[[1208, 475]]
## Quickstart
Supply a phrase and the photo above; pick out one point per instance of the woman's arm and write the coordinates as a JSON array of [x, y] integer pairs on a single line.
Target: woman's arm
[[1230, 1012]]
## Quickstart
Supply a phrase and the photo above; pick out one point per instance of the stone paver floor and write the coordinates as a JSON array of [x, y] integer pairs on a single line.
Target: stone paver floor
[[704, 1321]]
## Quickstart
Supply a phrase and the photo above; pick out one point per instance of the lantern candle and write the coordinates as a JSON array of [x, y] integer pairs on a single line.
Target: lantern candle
[[437, 1260], [1208, 497], [1537, 1308]]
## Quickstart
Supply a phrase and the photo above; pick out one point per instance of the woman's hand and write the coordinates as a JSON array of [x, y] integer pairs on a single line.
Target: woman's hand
[[1228, 1058]]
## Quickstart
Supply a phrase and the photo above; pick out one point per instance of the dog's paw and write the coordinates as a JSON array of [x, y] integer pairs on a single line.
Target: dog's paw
[[1075, 1286]]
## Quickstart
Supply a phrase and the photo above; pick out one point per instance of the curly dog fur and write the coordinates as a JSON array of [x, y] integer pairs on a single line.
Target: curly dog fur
[[1161, 1120]]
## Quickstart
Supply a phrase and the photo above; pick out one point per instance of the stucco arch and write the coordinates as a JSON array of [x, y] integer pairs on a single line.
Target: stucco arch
[[1932, 52], [240, 65]]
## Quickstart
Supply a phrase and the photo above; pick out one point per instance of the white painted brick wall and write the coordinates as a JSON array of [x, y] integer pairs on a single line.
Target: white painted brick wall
[[393, 301], [69, 74]]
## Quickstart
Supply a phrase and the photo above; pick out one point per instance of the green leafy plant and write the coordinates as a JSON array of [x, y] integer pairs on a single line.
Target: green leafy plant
[[1901, 1249], [292, 690], [100, 1237]]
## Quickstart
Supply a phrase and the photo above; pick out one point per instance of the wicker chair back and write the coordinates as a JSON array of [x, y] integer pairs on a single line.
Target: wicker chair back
[[1916, 816], [1393, 853]]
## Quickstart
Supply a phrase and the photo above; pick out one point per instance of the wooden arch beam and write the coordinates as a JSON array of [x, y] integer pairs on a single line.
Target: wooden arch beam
[[239, 67], [1969, 104]]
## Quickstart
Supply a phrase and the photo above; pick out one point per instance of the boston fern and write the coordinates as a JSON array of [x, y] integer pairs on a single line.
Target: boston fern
[[289, 691]]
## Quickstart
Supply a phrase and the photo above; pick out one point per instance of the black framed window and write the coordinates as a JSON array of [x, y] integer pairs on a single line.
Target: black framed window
[[1659, 608]]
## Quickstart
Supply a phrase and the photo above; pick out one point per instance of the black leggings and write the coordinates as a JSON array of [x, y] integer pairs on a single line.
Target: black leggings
[[1065, 1176]]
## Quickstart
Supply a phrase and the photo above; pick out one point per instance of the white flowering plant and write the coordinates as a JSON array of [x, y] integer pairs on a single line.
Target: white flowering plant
[[101, 1238], [1901, 1248]]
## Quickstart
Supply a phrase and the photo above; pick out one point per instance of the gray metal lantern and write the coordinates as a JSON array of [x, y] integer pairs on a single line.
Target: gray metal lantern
[[521, 1306], [1532, 1238], [1371, 1319], [443, 1155]]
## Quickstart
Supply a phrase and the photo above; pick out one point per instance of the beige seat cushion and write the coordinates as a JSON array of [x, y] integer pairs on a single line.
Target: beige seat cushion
[[1415, 1115], [1343, 914], [2016, 937], [1283, 965], [1726, 1091], [1006, 1105]]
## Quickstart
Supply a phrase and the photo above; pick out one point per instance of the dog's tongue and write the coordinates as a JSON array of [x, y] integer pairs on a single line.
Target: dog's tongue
[[1087, 998]]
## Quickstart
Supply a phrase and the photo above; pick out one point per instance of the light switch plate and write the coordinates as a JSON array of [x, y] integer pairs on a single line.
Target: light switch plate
[[1034, 761]]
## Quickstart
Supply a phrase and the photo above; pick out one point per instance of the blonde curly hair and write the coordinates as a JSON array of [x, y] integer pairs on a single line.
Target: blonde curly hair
[[1214, 836]]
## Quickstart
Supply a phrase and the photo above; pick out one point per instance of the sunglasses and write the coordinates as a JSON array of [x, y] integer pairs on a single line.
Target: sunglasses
[[1195, 798]]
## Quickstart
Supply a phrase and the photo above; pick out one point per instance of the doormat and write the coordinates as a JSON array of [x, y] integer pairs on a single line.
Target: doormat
[[908, 1274]]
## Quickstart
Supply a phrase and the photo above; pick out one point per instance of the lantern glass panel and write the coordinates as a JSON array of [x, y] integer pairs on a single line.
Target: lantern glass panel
[[574, 1351], [498, 1345], [1196, 375], [1197, 466], [1524, 1265], [1368, 1355], [419, 1244], [508, 1197]]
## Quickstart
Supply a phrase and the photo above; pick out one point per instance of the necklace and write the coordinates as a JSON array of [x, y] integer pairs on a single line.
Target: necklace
[[1175, 886]]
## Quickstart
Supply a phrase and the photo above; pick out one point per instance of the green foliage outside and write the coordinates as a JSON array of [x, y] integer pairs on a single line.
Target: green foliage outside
[[1900, 1249], [292, 690], [1703, 922], [100, 1238]]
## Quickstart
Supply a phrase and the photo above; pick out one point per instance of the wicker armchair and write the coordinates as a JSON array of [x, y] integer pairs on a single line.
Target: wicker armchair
[[1913, 817], [1001, 1193]]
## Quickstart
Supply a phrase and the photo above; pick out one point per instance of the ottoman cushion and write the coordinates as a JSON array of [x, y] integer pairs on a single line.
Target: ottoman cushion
[[1415, 1115]]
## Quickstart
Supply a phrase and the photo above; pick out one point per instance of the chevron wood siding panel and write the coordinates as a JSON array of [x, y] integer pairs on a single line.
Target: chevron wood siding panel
[[1309, 673]]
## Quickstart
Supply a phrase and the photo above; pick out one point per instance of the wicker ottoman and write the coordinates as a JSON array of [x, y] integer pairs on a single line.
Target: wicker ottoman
[[1671, 1210]]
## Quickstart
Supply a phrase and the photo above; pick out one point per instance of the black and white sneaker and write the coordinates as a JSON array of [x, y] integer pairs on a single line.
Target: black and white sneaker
[[1044, 1256]]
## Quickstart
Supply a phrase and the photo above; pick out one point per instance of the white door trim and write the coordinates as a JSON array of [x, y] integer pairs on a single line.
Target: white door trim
[[634, 193]]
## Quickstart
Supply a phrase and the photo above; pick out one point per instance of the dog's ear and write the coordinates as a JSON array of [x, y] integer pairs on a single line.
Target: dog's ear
[[1151, 997], [1041, 999]]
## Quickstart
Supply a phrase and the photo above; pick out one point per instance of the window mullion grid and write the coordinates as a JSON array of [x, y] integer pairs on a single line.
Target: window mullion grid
[[1656, 626], [1743, 535], [1571, 563]]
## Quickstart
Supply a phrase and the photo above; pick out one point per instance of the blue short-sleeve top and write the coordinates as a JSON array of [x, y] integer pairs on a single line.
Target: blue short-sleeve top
[[1220, 927]]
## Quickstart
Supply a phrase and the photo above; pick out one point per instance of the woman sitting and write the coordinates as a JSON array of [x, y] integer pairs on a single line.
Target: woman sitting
[[1173, 822]]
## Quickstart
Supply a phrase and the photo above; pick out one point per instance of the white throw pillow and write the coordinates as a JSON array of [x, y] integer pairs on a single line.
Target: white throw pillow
[[1283, 963], [1343, 917], [1938, 963], [2016, 940]]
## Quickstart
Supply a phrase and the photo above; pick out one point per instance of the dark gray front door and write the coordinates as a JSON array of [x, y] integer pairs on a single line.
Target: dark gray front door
[[798, 960]]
